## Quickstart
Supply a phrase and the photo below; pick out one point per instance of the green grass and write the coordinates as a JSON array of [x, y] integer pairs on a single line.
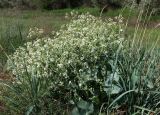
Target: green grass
[[148, 36], [15, 25], [155, 18]]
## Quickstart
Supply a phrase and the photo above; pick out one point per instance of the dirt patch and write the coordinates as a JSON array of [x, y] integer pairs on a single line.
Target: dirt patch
[[2, 109], [5, 76]]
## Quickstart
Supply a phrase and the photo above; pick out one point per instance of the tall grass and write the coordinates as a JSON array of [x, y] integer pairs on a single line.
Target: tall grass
[[139, 67], [11, 37]]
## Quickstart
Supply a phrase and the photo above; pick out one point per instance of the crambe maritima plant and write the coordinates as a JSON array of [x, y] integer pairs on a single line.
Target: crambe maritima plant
[[89, 66], [69, 59], [84, 37]]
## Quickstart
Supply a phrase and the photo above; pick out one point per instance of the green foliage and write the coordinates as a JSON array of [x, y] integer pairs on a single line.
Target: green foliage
[[43, 4], [88, 67], [60, 4], [14, 37], [83, 108], [66, 43], [6, 3], [70, 53], [138, 76], [111, 3]]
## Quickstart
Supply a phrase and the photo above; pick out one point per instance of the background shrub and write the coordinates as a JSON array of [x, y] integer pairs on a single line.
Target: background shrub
[[59, 4]]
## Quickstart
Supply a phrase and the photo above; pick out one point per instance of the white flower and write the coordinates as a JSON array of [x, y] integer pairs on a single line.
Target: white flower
[[60, 65], [85, 37]]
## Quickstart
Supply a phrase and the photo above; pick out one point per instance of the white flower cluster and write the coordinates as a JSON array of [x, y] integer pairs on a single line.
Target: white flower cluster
[[84, 37], [35, 33]]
